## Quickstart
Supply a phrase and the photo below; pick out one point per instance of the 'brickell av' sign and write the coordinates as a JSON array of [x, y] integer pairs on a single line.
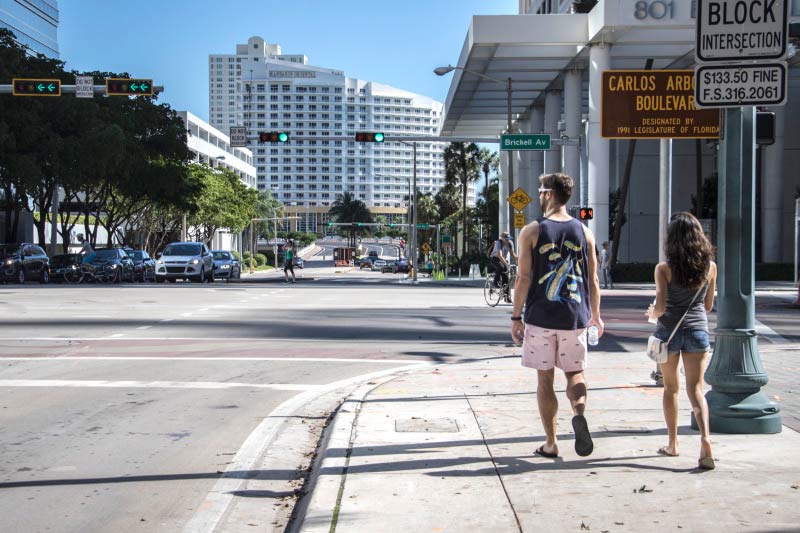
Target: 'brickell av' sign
[[654, 104]]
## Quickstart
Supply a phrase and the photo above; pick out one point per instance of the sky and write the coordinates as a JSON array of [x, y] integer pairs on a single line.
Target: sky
[[395, 43]]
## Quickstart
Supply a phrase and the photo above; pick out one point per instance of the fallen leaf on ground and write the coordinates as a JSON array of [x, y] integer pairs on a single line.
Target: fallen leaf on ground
[[643, 488], [584, 527]]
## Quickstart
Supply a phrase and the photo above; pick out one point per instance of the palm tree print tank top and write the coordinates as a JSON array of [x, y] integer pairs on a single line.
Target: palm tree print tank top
[[558, 297]]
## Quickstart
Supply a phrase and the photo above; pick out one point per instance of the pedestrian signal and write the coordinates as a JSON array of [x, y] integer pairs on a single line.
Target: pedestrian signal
[[273, 137], [586, 213]]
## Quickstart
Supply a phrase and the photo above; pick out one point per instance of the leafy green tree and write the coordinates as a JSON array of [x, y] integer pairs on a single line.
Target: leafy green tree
[[490, 163], [462, 167], [225, 202]]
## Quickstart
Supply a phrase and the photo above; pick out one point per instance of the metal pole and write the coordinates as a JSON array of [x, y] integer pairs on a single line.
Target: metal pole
[[275, 243], [510, 154], [438, 245], [664, 194], [252, 247], [735, 373], [414, 212], [54, 221]]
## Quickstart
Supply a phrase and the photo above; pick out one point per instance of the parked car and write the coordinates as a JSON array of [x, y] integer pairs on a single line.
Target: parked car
[[185, 260], [22, 262], [401, 265], [114, 260], [378, 264], [226, 265], [144, 266], [364, 262], [298, 262], [62, 264]]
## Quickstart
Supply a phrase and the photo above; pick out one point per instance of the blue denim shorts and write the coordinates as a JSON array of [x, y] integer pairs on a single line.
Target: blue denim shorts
[[692, 340]]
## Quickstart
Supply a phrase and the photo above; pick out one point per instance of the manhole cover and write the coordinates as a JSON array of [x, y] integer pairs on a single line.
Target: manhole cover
[[426, 425]]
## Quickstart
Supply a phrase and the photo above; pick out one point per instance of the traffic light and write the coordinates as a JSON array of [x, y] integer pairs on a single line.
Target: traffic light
[[586, 213], [330, 223], [35, 87], [129, 87], [369, 137], [391, 224], [273, 137]]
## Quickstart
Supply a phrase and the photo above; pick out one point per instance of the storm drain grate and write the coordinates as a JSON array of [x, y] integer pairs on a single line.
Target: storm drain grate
[[426, 425]]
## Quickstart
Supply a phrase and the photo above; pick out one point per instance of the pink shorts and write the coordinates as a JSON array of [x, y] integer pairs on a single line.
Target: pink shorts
[[544, 349]]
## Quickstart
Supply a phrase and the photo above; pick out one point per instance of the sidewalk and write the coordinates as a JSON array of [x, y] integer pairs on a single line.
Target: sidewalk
[[450, 448]]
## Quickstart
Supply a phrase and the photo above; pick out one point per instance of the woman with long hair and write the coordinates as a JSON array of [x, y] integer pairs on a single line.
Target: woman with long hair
[[685, 284]]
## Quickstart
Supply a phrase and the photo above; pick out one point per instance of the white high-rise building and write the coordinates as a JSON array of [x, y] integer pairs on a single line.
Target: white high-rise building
[[265, 90]]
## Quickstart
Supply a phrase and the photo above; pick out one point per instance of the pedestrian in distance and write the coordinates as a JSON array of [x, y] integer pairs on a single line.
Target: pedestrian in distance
[[288, 265], [685, 285], [500, 254], [558, 287], [605, 266]]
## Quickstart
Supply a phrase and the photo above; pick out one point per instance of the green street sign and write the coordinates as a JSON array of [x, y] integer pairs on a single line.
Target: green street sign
[[524, 141], [445, 238], [423, 226]]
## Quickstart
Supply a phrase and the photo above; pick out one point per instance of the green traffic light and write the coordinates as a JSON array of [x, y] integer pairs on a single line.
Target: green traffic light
[[330, 223], [379, 137], [283, 137]]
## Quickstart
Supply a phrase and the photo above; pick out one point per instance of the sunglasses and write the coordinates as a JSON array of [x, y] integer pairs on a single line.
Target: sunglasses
[[542, 189]]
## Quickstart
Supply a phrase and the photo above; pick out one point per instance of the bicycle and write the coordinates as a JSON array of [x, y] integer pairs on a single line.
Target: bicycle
[[492, 294], [86, 272]]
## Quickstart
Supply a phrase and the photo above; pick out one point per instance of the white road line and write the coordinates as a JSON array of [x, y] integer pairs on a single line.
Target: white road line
[[167, 320], [34, 358], [144, 327], [186, 314], [154, 384], [215, 506], [116, 335]]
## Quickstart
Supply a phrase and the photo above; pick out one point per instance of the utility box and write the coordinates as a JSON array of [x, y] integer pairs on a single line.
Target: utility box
[[343, 256]]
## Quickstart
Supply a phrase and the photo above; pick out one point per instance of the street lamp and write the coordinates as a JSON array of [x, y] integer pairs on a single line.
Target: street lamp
[[441, 71]]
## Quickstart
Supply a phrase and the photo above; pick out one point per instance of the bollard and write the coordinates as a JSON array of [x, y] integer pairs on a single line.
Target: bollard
[[459, 273]]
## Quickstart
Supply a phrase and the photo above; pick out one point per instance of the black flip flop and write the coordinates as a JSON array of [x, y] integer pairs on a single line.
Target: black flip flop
[[540, 451], [583, 440]]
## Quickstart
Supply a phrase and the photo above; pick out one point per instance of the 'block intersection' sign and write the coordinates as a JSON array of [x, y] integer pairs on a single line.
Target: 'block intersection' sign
[[740, 30]]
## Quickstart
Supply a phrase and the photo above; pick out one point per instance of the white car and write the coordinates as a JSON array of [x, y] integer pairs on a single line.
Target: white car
[[185, 260], [378, 264]]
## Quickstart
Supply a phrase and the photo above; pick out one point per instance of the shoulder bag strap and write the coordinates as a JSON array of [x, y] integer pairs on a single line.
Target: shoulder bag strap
[[690, 306]]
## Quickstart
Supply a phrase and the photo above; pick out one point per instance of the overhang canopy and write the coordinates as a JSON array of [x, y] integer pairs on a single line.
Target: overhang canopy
[[535, 50]]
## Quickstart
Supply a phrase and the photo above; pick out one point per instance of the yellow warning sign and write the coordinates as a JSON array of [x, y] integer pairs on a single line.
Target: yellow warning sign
[[425, 248], [519, 220], [519, 199]]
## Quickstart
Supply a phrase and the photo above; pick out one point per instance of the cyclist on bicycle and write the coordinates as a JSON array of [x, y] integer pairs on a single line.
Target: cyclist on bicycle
[[499, 254], [88, 252]]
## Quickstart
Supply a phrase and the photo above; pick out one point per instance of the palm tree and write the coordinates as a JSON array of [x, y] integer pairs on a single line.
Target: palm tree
[[461, 167], [348, 209], [490, 161]]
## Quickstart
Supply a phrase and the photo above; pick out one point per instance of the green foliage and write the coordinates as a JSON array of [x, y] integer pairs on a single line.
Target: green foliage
[[237, 255], [462, 166], [709, 208], [225, 202], [260, 259]]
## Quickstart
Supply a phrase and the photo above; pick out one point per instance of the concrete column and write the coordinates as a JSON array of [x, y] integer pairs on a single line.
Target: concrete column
[[772, 192], [533, 210], [572, 119], [503, 193], [599, 61], [552, 114]]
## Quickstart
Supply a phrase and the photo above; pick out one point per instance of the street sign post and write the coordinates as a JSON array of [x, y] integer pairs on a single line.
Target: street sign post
[[84, 87], [238, 136], [519, 141], [738, 30], [519, 199], [741, 84], [654, 104]]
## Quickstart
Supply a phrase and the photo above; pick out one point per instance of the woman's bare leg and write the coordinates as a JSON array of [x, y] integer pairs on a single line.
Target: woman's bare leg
[[669, 371], [694, 365]]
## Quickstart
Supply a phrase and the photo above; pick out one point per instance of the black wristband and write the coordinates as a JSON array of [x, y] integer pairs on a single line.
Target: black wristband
[[517, 318]]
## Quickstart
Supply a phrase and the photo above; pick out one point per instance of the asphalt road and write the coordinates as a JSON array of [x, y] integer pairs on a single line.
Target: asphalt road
[[124, 407]]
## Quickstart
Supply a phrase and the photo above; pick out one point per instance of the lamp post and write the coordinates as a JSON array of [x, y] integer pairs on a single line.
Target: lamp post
[[441, 71]]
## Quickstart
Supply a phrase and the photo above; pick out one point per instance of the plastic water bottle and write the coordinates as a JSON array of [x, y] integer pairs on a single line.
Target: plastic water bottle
[[593, 335], [651, 319]]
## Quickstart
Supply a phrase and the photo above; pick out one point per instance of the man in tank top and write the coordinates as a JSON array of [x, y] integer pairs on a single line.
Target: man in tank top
[[558, 285]]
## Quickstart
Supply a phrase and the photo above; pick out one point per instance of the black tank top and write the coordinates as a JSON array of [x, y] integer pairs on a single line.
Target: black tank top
[[559, 295]]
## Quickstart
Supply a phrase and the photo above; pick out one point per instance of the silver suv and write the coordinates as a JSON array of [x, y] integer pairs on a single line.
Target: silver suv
[[185, 260]]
